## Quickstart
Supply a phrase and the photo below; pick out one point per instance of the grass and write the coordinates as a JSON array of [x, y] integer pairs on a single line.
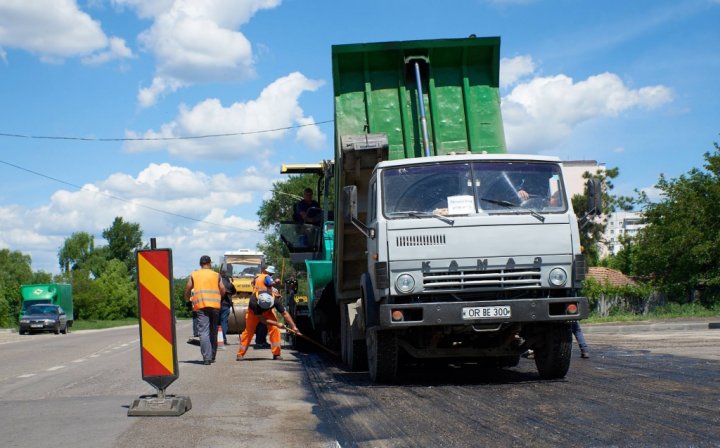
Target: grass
[[100, 324], [669, 311]]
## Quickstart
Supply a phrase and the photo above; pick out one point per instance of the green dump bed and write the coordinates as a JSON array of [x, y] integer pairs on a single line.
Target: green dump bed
[[376, 92]]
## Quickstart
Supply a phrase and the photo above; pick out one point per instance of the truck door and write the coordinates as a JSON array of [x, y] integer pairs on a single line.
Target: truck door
[[372, 225]]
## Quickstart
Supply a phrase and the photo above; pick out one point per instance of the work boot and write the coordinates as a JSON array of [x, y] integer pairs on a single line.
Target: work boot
[[239, 358], [529, 354], [277, 358], [584, 354], [207, 362]]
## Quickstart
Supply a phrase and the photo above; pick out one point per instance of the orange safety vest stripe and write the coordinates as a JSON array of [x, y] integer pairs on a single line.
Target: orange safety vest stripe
[[206, 293], [259, 283]]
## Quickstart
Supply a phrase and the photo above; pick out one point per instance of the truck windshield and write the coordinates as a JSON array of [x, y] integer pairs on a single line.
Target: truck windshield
[[468, 188]]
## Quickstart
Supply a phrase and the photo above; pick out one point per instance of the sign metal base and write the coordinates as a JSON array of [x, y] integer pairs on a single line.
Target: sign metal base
[[159, 406]]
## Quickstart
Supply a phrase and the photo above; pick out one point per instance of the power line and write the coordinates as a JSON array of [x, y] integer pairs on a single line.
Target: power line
[[128, 201], [137, 139]]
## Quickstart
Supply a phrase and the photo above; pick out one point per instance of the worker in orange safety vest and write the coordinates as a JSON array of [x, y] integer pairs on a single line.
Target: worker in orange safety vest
[[205, 289], [260, 310], [261, 282]]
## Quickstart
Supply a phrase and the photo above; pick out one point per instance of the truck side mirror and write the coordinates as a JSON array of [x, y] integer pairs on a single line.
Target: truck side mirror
[[593, 190], [350, 202]]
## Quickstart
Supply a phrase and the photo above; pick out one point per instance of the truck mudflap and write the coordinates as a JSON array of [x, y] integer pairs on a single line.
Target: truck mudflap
[[557, 309]]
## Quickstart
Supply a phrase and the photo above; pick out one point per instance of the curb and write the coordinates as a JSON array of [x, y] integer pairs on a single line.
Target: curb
[[658, 326]]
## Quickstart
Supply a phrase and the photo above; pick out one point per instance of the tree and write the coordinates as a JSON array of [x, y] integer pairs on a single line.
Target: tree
[[679, 249], [117, 292], [86, 294], [42, 277], [103, 286], [123, 239], [76, 249], [15, 270], [183, 308], [625, 260]]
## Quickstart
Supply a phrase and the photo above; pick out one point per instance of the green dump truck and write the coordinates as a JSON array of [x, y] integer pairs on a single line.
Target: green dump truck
[[51, 293], [444, 247]]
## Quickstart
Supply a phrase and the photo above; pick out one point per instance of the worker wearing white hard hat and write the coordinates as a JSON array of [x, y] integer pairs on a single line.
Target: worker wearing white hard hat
[[263, 282], [260, 310]]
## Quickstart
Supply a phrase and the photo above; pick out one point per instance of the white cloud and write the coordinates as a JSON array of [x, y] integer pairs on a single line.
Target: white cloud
[[55, 30], [514, 69], [653, 194], [542, 112], [310, 133], [196, 41], [116, 50], [217, 207], [147, 96], [275, 108]]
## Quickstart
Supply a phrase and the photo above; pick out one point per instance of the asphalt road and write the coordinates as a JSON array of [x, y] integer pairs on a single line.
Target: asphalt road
[[645, 385]]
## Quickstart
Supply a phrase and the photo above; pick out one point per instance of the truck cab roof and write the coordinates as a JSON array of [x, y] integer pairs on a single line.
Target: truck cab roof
[[467, 157]]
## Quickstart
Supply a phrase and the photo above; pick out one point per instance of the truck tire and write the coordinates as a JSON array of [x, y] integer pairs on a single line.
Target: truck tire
[[552, 358], [382, 356], [354, 352]]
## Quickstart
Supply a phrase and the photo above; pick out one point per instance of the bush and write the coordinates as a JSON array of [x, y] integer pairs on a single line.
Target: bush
[[608, 300]]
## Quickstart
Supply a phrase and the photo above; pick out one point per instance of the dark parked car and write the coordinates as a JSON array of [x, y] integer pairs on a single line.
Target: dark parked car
[[44, 317]]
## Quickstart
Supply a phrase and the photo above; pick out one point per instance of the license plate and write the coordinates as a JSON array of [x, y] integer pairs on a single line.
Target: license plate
[[36, 326], [486, 312]]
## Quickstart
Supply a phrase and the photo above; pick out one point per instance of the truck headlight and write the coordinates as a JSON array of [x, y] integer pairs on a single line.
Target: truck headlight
[[557, 277], [405, 283]]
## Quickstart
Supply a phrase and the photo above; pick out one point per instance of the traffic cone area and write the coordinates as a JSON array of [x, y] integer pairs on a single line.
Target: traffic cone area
[[220, 339]]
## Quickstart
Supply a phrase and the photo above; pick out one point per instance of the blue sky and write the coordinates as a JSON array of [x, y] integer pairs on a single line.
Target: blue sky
[[633, 85]]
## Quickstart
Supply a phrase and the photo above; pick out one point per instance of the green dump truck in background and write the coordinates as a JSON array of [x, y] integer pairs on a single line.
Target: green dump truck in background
[[444, 246], [52, 293]]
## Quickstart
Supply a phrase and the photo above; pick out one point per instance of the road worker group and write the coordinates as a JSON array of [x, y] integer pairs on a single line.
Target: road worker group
[[205, 289]]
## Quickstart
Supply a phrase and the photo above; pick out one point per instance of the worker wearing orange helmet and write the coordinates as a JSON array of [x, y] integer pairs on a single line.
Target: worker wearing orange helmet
[[260, 310]]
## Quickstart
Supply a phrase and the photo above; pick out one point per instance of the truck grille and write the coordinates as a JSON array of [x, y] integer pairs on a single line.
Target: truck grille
[[420, 240], [480, 280]]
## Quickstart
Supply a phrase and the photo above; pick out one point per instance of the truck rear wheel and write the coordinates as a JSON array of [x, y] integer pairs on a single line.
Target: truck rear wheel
[[382, 356], [552, 358]]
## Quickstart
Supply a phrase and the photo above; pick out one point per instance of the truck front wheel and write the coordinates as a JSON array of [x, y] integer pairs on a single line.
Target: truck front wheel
[[552, 358], [382, 355]]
